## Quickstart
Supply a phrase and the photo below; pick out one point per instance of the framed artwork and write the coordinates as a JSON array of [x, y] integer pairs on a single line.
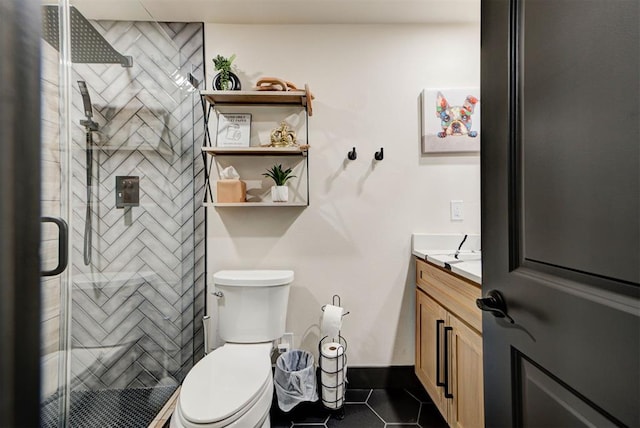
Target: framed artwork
[[451, 120], [234, 130]]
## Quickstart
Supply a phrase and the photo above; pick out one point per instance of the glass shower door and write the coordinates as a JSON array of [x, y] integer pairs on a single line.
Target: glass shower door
[[126, 183], [54, 205]]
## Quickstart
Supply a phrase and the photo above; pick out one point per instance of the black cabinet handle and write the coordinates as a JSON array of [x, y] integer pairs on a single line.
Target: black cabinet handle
[[438, 324], [494, 303], [447, 394], [63, 234]]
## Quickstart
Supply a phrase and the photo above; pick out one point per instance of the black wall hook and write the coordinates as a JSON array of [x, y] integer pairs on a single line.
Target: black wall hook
[[352, 155], [379, 155]]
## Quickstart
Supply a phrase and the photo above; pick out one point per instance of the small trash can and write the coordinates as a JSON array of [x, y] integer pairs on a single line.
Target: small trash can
[[295, 379]]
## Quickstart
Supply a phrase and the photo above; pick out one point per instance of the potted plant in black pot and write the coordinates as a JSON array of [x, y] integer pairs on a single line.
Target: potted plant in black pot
[[279, 192], [225, 80]]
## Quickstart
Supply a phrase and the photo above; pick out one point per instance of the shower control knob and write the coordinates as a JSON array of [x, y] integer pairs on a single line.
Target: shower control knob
[[127, 191]]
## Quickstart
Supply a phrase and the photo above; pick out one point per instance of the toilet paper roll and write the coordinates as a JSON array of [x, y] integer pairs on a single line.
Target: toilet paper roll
[[332, 376], [331, 349], [332, 362], [332, 379], [333, 398], [331, 321]]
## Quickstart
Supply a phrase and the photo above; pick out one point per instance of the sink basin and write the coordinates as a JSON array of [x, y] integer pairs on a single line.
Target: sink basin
[[468, 264], [467, 257], [440, 249], [451, 259], [469, 269]]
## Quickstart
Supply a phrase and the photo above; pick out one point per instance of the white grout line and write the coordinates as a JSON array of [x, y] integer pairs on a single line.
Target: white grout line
[[417, 399], [419, 413], [366, 402], [376, 413]]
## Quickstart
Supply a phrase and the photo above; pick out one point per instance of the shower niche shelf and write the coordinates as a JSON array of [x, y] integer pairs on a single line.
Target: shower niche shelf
[[268, 109]]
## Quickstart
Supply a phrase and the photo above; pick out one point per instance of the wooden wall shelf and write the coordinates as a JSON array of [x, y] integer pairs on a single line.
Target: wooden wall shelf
[[254, 204], [298, 100], [254, 151], [256, 97]]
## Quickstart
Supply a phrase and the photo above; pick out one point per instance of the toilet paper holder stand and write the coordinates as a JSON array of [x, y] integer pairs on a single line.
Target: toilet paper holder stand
[[335, 301], [333, 370]]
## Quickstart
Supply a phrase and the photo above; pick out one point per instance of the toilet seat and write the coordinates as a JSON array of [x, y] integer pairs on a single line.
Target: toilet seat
[[231, 383], [256, 414]]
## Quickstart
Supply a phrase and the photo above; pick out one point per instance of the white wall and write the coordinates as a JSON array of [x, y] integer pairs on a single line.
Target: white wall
[[355, 237]]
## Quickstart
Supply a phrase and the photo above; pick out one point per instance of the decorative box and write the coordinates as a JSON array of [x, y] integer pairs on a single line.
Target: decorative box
[[231, 191]]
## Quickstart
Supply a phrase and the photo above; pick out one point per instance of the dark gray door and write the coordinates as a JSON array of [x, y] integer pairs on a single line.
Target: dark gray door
[[561, 211], [19, 212]]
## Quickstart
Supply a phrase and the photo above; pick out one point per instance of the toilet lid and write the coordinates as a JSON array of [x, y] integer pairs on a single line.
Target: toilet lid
[[253, 278], [224, 382]]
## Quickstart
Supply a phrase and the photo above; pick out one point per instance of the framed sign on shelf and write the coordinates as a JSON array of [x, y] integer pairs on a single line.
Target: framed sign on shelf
[[234, 130]]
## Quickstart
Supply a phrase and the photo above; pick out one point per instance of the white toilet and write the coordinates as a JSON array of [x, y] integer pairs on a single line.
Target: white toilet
[[233, 385]]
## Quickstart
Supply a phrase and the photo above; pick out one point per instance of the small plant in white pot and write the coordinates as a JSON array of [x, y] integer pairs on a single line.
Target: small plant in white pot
[[279, 192]]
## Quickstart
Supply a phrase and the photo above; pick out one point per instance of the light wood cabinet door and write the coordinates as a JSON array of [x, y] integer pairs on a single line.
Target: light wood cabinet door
[[448, 349], [467, 404], [430, 322]]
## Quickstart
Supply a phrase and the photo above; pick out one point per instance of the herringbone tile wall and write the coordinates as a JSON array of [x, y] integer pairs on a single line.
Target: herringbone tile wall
[[134, 310]]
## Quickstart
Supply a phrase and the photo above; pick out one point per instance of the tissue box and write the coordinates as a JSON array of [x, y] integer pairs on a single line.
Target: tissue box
[[231, 191]]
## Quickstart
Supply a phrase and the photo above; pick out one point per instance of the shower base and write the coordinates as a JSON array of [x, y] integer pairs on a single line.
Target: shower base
[[131, 408]]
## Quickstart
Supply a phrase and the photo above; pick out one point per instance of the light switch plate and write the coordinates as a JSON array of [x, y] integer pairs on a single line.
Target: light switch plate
[[457, 210]]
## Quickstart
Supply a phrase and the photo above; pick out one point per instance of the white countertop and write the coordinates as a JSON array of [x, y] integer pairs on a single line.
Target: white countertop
[[440, 250]]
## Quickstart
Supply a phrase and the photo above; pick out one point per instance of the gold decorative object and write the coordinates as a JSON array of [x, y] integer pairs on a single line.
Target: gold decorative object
[[283, 136]]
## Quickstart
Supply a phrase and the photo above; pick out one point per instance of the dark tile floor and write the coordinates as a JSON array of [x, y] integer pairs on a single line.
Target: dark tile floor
[[131, 408], [366, 408]]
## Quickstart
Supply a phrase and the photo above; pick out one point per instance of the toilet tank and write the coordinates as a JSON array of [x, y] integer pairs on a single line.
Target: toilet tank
[[253, 306]]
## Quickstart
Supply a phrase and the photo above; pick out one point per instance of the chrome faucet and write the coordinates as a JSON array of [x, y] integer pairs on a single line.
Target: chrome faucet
[[459, 247]]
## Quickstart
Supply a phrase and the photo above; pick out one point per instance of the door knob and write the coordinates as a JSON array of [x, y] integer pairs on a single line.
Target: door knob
[[494, 303]]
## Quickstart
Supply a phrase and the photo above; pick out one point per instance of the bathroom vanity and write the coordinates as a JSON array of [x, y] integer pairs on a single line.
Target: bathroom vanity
[[448, 359]]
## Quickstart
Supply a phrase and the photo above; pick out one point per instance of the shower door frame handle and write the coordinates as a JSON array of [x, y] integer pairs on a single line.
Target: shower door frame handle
[[63, 234]]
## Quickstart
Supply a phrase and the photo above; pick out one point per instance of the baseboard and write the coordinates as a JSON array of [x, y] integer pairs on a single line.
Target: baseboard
[[382, 377], [379, 377]]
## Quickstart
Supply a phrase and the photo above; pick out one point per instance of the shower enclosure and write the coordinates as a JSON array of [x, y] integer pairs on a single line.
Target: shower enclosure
[[121, 180]]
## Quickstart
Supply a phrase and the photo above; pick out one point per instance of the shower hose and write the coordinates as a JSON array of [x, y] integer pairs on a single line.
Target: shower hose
[[87, 222]]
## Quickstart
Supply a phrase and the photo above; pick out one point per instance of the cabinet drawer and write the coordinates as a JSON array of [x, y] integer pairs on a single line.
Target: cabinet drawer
[[456, 294]]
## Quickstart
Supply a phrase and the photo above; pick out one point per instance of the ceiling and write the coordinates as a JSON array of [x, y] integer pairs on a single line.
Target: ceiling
[[284, 11]]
